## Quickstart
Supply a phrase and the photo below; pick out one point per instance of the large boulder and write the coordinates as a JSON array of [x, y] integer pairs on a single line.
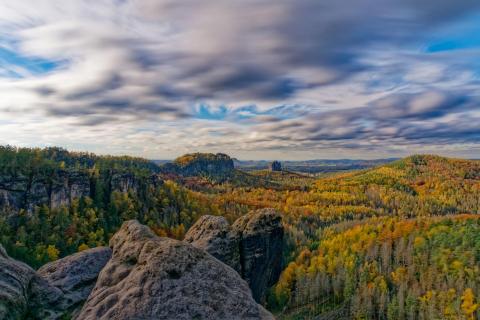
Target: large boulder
[[213, 234], [15, 278], [253, 246], [23, 294], [261, 248], [149, 277], [75, 275]]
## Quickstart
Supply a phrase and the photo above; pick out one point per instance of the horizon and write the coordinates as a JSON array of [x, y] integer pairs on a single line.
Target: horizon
[[288, 80], [243, 159]]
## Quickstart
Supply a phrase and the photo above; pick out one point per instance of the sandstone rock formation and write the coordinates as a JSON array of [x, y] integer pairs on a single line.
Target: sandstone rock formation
[[75, 275], [276, 166], [12, 191], [61, 187], [253, 246], [54, 292], [24, 294], [149, 277], [68, 185], [213, 234], [261, 248], [15, 278], [145, 277]]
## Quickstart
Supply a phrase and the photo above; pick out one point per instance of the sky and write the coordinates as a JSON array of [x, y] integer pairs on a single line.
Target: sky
[[257, 79]]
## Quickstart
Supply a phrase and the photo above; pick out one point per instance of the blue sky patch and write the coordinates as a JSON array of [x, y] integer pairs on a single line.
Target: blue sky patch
[[13, 63], [465, 34], [208, 113]]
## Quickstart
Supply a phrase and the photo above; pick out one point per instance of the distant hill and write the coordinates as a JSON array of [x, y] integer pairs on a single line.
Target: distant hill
[[416, 185], [27, 160], [204, 171], [420, 185], [313, 166], [218, 166]]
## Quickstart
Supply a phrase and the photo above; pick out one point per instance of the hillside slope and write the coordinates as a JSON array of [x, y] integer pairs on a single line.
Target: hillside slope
[[387, 268], [415, 186], [421, 185]]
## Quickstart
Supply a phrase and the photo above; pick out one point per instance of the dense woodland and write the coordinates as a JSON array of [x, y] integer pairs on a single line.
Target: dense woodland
[[404, 195], [389, 268], [415, 186], [400, 241]]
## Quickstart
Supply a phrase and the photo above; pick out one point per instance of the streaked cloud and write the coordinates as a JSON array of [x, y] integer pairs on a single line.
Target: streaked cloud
[[255, 78]]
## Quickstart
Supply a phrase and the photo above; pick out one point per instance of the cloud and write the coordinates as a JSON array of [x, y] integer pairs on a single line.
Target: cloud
[[306, 76]]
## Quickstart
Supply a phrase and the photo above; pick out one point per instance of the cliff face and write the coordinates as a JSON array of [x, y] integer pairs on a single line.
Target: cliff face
[[261, 247], [253, 246], [66, 186], [61, 187]]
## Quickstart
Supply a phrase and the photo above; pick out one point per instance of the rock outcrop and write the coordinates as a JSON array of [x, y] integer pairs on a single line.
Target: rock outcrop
[[15, 278], [75, 275], [144, 276], [261, 248], [149, 277], [253, 246], [68, 185], [61, 187], [214, 235], [275, 166], [24, 294], [53, 292], [12, 191]]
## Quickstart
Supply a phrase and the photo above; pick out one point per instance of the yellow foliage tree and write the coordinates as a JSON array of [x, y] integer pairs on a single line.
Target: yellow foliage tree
[[52, 252], [468, 305], [83, 247]]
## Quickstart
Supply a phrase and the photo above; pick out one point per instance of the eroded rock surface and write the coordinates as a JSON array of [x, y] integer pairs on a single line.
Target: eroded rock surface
[[261, 247], [62, 187], [213, 234], [144, 276], [15, 278], [24, 294], [149, 277], [253, 246], [75, 275]]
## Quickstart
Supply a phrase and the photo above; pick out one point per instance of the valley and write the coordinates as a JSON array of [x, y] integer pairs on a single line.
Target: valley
[[398, 239]]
